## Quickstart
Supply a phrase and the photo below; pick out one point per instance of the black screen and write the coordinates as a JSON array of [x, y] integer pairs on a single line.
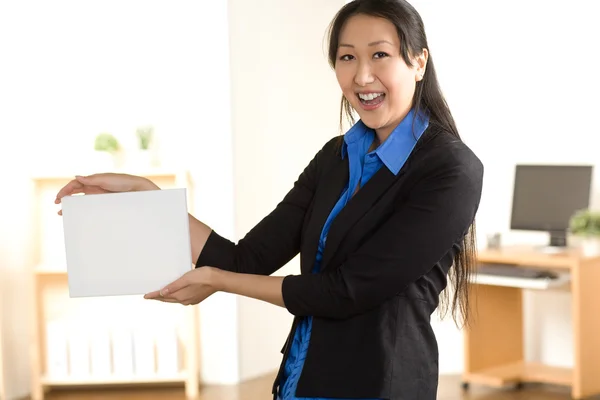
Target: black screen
[[546, 196]]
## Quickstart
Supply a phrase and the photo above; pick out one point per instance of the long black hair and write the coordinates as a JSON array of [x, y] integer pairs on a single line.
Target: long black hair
[[428, 97]]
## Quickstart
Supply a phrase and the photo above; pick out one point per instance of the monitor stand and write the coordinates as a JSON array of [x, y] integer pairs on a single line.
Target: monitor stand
[[557, 243]]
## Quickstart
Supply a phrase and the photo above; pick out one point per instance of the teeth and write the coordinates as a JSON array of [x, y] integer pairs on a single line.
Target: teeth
[[369, 96]]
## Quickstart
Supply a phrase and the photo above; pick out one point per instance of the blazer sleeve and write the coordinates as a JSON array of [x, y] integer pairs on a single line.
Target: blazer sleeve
[[438, 212], [275, 240]]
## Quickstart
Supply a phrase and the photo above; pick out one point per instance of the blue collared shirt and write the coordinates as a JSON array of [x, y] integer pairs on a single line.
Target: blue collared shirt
[[392, 154]]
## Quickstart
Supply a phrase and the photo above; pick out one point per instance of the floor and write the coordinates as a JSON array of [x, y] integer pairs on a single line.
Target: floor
[[260, 389]]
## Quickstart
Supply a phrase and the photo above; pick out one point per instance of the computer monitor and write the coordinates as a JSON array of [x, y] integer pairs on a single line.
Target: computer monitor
[[546, 196]]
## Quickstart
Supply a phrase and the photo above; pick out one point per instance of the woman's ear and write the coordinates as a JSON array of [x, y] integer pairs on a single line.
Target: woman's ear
[[420, 63]]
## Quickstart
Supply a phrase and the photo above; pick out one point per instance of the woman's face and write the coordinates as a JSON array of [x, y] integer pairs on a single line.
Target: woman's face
[[372, 74]]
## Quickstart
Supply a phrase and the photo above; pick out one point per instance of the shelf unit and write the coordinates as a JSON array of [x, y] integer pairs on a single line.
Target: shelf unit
[[80, 318], [181, 377], [494, 342]]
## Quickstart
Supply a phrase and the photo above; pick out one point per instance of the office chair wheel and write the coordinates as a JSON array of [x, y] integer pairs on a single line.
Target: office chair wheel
[[465, 386]]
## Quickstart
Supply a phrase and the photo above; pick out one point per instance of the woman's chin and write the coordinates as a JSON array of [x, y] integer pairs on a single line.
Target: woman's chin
[[371, 121]]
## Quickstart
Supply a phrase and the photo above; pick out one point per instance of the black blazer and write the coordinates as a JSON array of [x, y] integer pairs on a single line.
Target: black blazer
[[386, 261]]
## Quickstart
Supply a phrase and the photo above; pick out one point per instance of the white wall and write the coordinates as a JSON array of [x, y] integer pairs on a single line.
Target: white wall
[[70, 70], [285, 107], [521, 78], [17, 98]]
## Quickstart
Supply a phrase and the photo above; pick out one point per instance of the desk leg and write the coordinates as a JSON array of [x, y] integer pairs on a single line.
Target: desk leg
[[494, 337], [586, 328]]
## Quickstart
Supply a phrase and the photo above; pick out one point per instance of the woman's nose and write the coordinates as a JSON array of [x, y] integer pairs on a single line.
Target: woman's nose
[[364, 75]]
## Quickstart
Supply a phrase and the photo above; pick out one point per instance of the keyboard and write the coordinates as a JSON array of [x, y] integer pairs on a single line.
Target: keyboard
[[514, 271]]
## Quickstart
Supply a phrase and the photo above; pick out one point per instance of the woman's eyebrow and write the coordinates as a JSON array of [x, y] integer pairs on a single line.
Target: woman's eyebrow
[[370, 44]]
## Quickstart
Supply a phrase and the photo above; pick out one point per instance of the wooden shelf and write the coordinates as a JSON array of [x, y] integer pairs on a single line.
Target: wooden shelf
[[521, 372], [45, 270], [111, 380], [51, 300], [150, 173]]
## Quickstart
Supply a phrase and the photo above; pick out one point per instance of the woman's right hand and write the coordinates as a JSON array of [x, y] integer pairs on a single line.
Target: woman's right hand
[[104, 183]]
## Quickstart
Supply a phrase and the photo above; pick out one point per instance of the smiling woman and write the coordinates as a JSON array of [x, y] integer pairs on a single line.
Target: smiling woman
[[382, 217], [372, 74]]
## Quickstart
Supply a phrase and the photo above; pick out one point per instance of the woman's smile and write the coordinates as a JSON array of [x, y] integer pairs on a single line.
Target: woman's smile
[[370, 101]]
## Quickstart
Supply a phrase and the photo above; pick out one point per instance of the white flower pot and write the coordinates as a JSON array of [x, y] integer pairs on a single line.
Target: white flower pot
[[590, 247]]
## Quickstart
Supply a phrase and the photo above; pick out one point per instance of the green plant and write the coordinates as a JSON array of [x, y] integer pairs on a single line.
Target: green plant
[[145, 135], [585, 223], [106, 142]]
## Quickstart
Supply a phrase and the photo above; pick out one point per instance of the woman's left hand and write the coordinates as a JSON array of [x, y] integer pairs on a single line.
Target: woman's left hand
[[198, 284], [192, 288]]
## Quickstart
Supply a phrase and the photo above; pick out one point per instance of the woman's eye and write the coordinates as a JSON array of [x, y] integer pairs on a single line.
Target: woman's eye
[[346, 57], [380, 54]]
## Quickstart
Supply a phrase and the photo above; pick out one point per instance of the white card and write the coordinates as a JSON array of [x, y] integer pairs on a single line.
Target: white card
[[125, 243]]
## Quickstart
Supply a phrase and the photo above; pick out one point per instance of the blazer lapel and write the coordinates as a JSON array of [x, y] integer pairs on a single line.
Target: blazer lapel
[[356, 207], [325, 199]]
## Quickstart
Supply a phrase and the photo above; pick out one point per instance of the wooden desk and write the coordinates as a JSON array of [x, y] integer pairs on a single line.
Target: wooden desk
[[494, 353]]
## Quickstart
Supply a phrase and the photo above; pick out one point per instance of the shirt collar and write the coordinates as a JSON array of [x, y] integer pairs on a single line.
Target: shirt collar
[[394, 152]]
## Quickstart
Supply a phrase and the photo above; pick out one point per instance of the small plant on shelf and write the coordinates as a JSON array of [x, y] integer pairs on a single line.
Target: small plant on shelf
[[107, 152], [585, 223], [145, 135], [107, 143]]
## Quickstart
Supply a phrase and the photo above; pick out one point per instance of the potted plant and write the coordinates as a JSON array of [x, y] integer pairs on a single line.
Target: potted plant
[[107, 147], [585, 224], [145, 135], [106, 142], [145, 139]]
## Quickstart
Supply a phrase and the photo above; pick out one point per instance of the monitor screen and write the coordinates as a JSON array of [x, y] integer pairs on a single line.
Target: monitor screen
[[546, 196]]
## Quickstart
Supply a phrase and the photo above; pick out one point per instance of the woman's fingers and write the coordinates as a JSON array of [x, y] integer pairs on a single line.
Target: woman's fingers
[[77, 189], [70, 188], [165, 300], [102, 180], [92, 184], [94, 190], [85, 184], [108, 182], [111, 181]]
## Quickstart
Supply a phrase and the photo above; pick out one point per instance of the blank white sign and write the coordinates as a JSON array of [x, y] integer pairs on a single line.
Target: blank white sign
[[125, 243]]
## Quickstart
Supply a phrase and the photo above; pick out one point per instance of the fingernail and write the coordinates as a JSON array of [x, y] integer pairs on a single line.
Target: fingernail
[[165, 292]]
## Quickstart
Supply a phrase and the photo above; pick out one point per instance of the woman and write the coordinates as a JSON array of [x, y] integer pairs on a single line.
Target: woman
[[381, 216]]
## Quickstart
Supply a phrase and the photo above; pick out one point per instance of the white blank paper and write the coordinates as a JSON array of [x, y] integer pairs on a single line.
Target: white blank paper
[[125, 243]]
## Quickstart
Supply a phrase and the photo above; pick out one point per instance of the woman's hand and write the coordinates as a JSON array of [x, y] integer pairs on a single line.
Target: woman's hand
[[198, 284], [193, 287], [104, 183]]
